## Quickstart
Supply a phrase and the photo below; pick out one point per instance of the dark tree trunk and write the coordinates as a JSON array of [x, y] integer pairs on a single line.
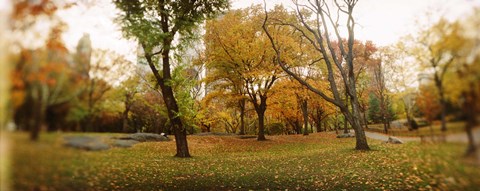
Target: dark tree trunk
[[319, 126], [443, 104], [298, 127], [469, 107], [125, 126], [385, 127], [36, 121], [345, 125], [304, 106], [178, 128], [242, 117], [125, 121], [260, 109], [261, 125], [354, 120]]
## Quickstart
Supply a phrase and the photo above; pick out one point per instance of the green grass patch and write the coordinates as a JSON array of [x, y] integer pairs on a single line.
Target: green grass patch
[[295, 162]]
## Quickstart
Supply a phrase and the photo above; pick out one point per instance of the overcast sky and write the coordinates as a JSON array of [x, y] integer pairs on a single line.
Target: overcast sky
[[382, 21], [385, 21]]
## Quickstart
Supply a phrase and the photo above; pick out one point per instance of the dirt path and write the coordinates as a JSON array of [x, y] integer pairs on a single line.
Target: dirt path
[[454, 138]]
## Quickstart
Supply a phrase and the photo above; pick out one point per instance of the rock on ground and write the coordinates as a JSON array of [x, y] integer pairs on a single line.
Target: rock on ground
[[86, 143], [92, 143], [346, 135], [394, 140], [144, 137]]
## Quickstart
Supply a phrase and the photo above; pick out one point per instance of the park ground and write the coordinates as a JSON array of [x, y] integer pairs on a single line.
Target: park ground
[[294, 162]]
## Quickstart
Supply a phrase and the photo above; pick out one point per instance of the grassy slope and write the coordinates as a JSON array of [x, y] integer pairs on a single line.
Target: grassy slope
[[315, 162]]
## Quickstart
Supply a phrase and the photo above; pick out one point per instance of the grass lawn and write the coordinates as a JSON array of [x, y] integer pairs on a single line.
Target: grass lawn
[[295, 162]]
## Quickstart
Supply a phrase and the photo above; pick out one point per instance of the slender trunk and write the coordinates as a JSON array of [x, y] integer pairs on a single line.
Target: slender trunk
[[336, 125], [365, 120], [242, 117], [444, 113], [125, 121], [319, 126], [385, 127], [443, 103], [37, 117], [125, 113], [304, 106], [345, 125]]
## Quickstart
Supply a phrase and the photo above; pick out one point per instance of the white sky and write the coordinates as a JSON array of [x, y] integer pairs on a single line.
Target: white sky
[[385, 21], [382, 21]]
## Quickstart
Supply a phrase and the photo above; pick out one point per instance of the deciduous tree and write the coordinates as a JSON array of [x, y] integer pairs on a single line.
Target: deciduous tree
[[156, 24], [318, 25]]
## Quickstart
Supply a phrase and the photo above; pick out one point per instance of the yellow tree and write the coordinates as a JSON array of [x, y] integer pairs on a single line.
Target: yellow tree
[[238, 55], [436, 49], [287, 104]]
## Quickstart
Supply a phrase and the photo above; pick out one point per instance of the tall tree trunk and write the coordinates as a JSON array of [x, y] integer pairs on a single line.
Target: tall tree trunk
[[125, 120], [304, 106], [469, 108], [261, 125], [178, 129], [168, 96], [443, 105], [260, 109], [319, 126], [360, 137], [385, 128], [443, 102], [242, 117], [365, 120], [37, 115], [345, 125], [128, 97]]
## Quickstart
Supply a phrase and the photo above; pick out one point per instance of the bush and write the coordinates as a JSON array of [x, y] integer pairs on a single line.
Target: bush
[[275, 129]]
